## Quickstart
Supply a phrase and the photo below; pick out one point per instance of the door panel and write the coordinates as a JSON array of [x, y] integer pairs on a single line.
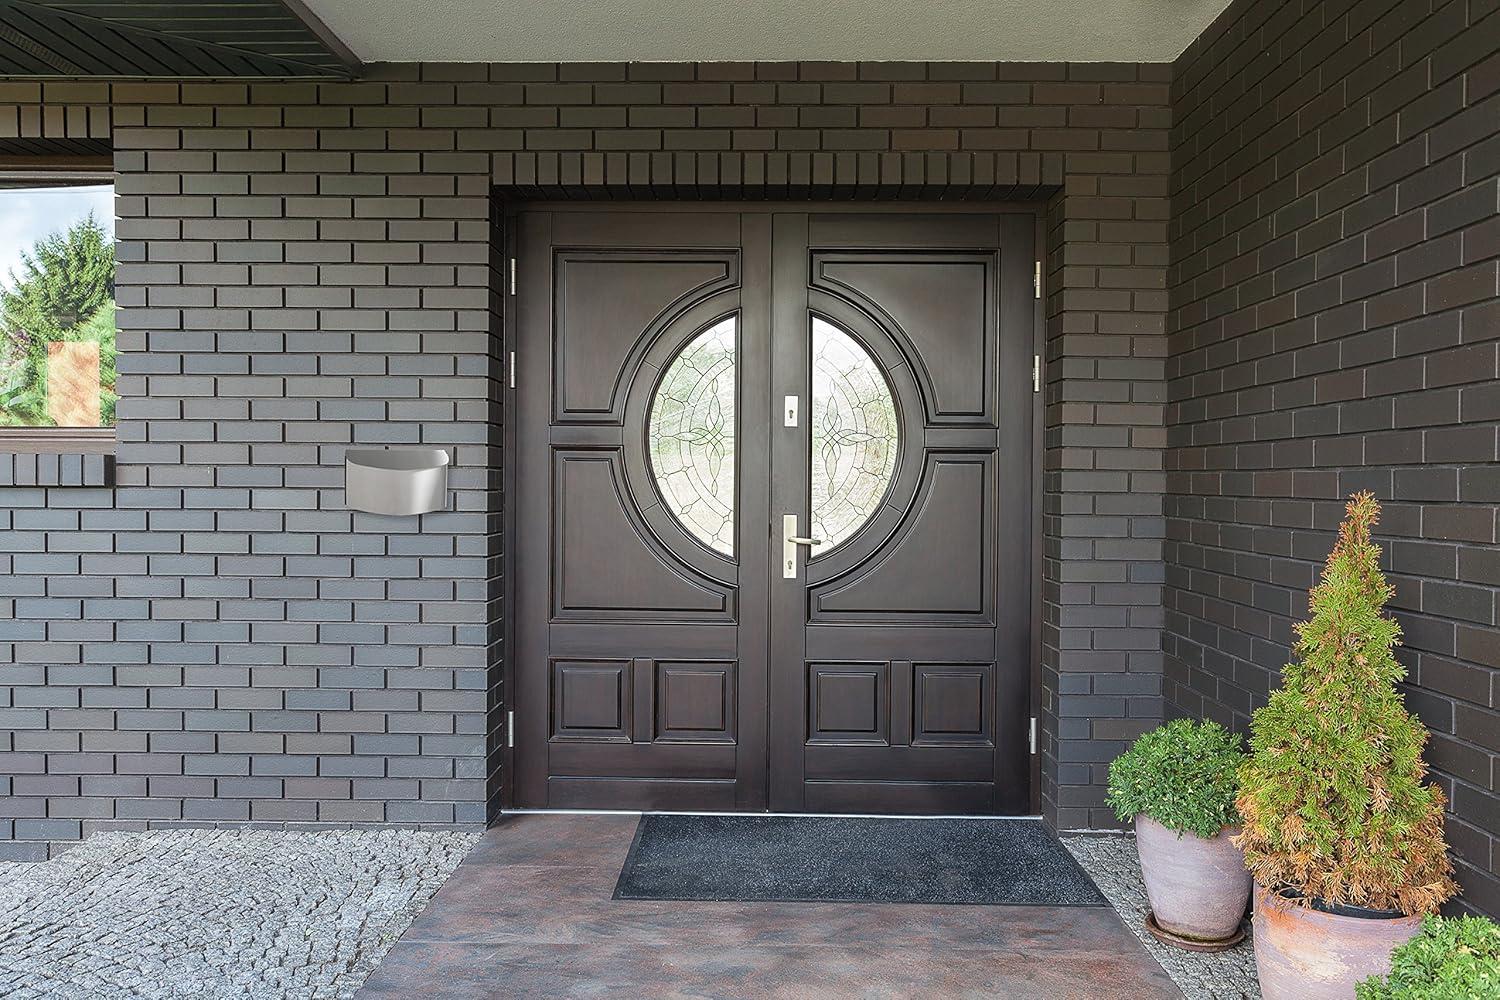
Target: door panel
[[593, 513], [591, 700], [936, 305], [663, 659], [605, 299], [694, 703], [953, 704], [959, 490], [848, 703]]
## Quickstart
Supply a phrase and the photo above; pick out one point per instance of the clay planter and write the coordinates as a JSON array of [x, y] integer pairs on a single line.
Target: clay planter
[[1198, 888], [1302, 953]]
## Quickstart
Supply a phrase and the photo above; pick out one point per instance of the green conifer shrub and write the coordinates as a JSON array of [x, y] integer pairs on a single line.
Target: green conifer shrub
[[1332, 796]]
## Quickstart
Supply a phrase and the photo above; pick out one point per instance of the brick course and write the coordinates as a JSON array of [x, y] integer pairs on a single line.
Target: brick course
[[1335, 259], [308, 265]]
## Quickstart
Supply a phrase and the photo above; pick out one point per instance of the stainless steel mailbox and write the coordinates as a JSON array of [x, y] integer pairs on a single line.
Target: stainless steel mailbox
[[396, 480]]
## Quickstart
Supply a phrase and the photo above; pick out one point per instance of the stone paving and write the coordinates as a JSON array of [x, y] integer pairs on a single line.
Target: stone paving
[[215, 913], [274, 914], [1111, 860]]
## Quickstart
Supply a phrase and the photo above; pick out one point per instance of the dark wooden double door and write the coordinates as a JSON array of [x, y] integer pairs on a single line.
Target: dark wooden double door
[[772, 510]]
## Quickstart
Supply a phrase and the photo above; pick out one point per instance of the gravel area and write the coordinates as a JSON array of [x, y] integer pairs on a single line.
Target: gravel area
[[215, 913], [1112, 862]]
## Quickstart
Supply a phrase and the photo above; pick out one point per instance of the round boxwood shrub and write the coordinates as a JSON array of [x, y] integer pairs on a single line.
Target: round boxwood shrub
[[1182, 775], [1447, 960]]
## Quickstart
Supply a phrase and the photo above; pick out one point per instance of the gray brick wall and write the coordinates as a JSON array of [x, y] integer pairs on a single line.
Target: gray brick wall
[[304, 266], [1335, 186], [215, 639]]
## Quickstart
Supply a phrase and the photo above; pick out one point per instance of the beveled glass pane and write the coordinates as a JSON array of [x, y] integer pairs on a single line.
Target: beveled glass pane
[[854, 435], [690, 434]]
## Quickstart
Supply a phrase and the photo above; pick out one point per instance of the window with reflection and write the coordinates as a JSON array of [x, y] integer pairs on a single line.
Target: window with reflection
[[57, 301]]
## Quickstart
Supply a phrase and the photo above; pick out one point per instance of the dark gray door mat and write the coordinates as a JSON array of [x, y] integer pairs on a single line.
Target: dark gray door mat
[[852, 860]]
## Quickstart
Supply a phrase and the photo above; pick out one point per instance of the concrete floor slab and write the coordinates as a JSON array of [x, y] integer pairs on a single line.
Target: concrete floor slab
[[529, 913]]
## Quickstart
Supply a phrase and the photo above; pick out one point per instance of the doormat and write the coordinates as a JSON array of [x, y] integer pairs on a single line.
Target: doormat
[[851, 859]]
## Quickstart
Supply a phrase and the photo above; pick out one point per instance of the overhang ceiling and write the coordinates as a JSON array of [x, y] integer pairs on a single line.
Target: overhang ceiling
[[139, 38], [330, 38], [766, 30]]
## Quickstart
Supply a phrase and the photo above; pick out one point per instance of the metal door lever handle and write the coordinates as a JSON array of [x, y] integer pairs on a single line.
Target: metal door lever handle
[[789, 542]]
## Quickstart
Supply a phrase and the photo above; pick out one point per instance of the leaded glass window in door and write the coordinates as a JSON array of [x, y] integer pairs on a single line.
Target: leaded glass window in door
[[854, 435], [690, 436]]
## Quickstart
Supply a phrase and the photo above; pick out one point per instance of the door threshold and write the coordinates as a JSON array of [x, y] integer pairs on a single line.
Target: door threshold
[[706, 812]]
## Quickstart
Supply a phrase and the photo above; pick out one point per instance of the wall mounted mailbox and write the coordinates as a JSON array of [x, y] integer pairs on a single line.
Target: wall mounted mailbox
[[396, 480]]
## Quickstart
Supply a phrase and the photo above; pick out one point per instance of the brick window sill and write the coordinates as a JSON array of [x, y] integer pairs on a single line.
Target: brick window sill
[[83, 457]]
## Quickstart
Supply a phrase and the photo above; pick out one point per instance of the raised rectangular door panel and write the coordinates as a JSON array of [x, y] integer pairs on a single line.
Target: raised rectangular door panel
[[848, 703], [953, 704], [695, 702], [590, 700]]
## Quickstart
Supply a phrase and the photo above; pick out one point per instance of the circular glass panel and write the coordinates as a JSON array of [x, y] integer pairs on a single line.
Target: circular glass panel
[[690, 436], [854, 435]]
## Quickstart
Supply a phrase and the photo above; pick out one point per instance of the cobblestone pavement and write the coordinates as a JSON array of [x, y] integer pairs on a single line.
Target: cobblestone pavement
[[215, 913], [1112, 862]]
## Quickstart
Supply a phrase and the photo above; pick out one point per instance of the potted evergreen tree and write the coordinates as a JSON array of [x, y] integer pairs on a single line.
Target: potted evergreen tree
[[1344, 838], [1178, 784]]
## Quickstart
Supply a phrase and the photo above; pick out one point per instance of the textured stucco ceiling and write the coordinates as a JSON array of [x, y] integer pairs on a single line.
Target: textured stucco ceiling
[[770, 30]]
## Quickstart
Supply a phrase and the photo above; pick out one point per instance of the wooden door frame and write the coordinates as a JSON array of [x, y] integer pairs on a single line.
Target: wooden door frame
[[507, 211]]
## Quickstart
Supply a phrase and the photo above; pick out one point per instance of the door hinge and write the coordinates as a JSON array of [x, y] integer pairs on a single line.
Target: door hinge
[[512, 369], [512, 276], [510, 729], [1031, 738], [1036, 373], [1036, 280]]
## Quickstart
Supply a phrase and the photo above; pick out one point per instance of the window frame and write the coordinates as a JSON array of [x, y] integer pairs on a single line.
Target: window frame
[[42, 171]]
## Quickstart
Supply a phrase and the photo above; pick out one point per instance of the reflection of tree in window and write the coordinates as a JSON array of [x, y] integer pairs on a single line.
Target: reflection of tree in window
[[854, 435], [57, 330]]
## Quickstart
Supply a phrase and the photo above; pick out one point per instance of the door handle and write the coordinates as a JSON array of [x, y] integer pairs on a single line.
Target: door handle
[[789, 542]]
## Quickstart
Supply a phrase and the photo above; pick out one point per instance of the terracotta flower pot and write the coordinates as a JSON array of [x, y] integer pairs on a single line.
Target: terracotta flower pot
[[1302, 953], [1198, 888]]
